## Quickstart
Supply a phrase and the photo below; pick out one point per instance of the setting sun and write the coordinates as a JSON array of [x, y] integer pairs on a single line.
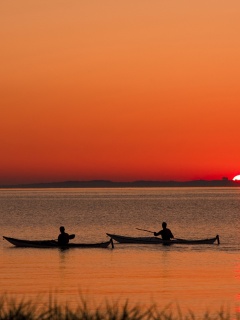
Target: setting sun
[[236, 178]]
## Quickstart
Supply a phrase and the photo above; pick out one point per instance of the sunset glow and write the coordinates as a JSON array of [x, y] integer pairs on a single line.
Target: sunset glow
[[119, 90]]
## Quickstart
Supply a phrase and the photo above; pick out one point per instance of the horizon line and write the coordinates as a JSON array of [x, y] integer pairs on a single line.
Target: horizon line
[[135, 183]]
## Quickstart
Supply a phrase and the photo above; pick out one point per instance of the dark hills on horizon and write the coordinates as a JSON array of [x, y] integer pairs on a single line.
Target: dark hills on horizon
[[134, 184]]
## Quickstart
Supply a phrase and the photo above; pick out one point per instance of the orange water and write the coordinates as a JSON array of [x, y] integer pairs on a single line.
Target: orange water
[[200, 278]]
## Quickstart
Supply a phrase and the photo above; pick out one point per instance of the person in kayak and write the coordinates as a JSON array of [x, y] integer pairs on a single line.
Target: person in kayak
[[165, 233], [64, 237]]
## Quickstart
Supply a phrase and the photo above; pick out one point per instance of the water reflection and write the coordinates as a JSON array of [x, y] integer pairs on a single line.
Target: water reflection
[[63, 252], [195, 277]]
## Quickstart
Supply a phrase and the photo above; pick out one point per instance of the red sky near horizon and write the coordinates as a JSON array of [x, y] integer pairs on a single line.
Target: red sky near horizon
[[122, 91]]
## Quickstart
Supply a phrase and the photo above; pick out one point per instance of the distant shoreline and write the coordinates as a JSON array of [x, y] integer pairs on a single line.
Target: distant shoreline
[[133, 184]]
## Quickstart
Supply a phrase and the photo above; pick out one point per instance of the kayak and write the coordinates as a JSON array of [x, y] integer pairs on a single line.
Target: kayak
[[156, 240], [54, 244]]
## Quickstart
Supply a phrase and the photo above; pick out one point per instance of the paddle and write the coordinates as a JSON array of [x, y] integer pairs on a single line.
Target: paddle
[[153, 232], [145, 230]]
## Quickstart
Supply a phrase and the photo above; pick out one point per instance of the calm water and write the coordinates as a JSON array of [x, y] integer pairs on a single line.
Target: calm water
[[200, 278]]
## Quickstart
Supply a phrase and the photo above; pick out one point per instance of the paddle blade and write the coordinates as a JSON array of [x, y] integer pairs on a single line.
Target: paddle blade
[[71, 236]]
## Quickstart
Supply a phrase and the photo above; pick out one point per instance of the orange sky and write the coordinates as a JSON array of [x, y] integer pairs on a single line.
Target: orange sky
[[119, 90]]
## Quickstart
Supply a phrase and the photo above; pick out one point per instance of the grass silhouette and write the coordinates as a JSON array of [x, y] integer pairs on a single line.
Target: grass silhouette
[[10, 309]]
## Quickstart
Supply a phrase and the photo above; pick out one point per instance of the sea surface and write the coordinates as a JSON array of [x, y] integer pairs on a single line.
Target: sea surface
[[199, 278]]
